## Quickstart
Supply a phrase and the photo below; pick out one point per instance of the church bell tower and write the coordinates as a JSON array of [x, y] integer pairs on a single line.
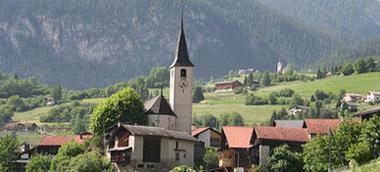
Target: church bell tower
[[181, 81]]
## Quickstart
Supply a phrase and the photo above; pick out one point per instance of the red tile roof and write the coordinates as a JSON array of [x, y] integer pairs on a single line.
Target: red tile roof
[[321, 126], [282, 134], [238, 137], [199, 131], [60, 140]]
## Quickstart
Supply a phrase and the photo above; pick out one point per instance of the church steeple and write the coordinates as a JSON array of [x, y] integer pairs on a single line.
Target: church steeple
[[182, 57]]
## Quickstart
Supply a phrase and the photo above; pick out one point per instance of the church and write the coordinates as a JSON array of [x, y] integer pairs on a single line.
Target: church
[[166, 140]]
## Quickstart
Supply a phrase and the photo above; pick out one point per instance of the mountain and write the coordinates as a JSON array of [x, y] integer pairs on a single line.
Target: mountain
[[352, 22], [93, 43]]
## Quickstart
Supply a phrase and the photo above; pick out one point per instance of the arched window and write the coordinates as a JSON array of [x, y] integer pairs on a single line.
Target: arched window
[[183, 73]]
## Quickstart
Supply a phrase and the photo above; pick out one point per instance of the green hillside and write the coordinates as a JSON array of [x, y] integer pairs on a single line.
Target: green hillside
[[355, 83], [217, 103]]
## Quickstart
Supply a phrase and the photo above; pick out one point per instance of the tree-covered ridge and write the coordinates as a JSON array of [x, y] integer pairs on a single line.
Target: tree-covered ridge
[[96, 43], [349, 21]]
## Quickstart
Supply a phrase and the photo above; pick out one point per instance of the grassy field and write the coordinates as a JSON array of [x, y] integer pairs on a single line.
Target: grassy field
[[355, 83], [371, 167]]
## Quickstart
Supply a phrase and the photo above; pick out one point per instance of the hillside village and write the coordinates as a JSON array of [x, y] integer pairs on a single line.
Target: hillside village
[[168, 121]]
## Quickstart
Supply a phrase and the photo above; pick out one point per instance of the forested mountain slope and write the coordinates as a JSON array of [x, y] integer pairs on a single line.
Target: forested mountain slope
[[92, 43], [351, 21]]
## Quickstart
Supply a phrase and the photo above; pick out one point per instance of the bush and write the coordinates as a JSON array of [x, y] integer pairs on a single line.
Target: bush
[[182, 168], [359, 152], [348, 69], [272, 98], [283, 159], [253, 100], [39, 164], [210, 158], [287, 92]]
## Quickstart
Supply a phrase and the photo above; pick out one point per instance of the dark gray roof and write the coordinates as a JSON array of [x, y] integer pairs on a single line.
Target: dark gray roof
[[289, 123], [375, 110], [182, 57], [228, 82], [139, 130], [299, 107], [158, 105]]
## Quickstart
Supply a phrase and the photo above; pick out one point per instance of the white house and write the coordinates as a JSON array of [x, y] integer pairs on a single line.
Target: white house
[[147, 148], [373, 97]]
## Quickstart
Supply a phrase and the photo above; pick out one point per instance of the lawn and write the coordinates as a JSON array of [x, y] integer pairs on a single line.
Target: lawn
[[357, 83], [31, 115], [217, 103]]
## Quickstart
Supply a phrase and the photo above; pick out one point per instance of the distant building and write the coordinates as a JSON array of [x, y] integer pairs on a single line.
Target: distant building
[[370, 113], [146, 148], [242, 71], [50, 101], [298, 109], [209, 136], [280, 67], [351, 97], [228, 85], [20, 127], [373, 97]]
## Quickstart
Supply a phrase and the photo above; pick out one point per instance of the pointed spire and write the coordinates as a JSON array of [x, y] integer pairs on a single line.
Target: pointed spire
[[182, 57], [162, 90]]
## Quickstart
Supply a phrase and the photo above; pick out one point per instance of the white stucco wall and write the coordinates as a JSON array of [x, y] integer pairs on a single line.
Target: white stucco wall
[[161, 120], [167, 158]]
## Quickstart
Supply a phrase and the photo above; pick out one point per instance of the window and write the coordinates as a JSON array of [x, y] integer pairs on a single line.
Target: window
[[176, 145], [151, 149], [184, 155], [177, 156], [183, 73]]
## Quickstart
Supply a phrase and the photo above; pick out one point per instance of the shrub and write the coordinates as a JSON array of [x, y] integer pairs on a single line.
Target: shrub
[[287, 92], [359, 152], [254, 100]]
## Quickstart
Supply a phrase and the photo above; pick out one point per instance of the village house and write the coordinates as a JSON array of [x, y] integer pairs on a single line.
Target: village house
[[320, 126], [49, 145], [149, 148], [298, 109], [370, 113], [351, 97], [373, 97], [228, 85], [236, 147], [266, 138], [209, 136]]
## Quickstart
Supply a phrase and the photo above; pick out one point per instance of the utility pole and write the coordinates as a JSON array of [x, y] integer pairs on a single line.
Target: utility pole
[[330, 134]]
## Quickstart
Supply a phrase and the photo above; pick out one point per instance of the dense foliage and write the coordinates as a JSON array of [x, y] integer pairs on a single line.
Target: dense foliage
[[38, 163], [283, 159], [124, 106], [9, 149], [350, 141], [224, 119]]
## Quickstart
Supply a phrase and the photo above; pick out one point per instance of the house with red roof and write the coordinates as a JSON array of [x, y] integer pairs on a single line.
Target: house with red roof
[[236, 147], [51, 144], [266, 138], [320, 126], [209, 136]]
